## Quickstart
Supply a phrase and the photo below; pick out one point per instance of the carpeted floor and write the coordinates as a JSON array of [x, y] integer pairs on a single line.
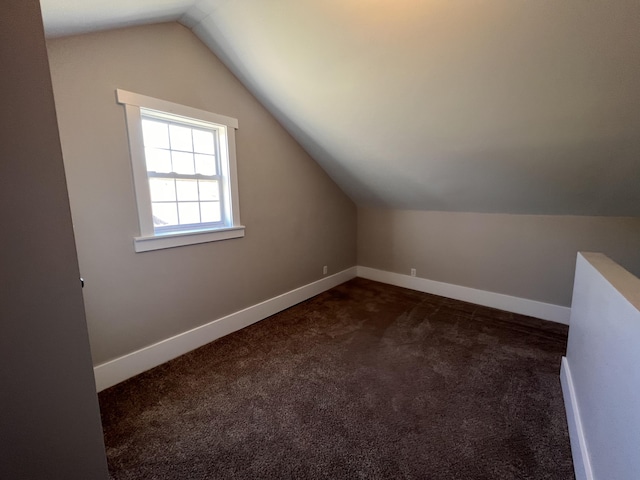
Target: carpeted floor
[[363, 381]]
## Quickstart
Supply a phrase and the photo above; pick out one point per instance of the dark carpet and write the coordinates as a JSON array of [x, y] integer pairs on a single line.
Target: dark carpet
[[363, 381]]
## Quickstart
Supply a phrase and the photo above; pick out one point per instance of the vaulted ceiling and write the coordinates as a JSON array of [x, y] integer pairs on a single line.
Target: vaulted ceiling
[[512, 106]]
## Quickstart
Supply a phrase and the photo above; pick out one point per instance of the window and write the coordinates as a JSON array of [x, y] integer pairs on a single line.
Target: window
[[184, 172]]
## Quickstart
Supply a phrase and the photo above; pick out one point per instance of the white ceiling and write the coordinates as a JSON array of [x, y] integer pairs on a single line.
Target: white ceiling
[[527, 106], [70, 17]]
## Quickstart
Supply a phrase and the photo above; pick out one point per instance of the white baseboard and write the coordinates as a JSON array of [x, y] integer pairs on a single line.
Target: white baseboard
[[117, 370], [523, 306], [581, 462]]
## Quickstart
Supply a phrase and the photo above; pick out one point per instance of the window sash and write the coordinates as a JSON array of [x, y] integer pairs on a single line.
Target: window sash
[[187, 227], [193, 125], [191, 227], [184, 176]]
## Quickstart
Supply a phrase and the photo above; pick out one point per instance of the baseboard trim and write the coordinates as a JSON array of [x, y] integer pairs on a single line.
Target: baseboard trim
[[115, 371], [523, 306], [579, 451]]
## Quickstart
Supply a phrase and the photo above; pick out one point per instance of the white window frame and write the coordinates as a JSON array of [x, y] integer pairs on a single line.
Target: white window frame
[[149, 239]]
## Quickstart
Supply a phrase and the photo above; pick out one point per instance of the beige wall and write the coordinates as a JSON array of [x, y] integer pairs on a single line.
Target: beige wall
[[49, 418], [297, 219], [527, 256]]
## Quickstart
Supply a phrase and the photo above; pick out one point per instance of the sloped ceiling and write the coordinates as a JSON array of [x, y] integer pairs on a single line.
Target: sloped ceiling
[[511, 106]]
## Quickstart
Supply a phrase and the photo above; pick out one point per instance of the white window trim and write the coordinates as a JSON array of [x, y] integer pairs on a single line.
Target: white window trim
[[148, 240]]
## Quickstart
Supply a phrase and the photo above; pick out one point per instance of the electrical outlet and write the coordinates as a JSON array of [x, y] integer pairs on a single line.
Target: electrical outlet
[[413, 272], [324, 270]]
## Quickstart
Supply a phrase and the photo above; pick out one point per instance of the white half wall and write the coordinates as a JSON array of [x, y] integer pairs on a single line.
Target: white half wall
[[117, 370], [523, 306], [601, 372]]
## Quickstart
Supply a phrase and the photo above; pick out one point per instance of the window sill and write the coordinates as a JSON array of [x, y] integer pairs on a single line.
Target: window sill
[[158, 242]]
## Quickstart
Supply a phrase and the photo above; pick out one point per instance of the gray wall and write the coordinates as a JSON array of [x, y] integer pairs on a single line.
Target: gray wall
[[527, 256], [49, 419], [297, 219]]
